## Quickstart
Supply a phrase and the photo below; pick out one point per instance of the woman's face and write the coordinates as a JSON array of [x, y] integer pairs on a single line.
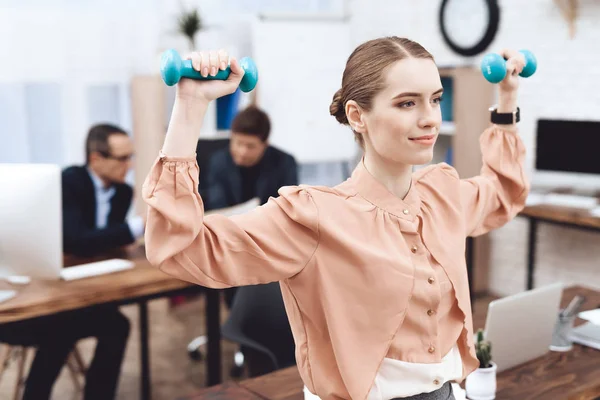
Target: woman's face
[[404, 121]]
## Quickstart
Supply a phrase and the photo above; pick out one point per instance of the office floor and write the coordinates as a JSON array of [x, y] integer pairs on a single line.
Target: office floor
[[174, 374]]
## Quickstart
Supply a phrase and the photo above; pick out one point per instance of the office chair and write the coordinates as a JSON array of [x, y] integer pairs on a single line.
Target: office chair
[[259, 323], [205, 148]]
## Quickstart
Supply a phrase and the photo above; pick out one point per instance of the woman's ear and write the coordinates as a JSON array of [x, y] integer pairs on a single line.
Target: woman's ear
[[355, 116]]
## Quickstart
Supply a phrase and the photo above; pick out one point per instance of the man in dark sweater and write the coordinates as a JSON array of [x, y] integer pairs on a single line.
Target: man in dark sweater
[[249, 168]]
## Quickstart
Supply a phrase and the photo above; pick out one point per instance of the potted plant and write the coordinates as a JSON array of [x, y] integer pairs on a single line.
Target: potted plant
[[189, 24], [481, 383]]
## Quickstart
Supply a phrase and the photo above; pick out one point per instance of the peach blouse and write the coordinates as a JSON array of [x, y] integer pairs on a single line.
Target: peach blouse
[[354, 261]]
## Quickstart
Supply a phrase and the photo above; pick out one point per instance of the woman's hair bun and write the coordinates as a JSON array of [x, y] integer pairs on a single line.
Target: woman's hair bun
[[337, 108]]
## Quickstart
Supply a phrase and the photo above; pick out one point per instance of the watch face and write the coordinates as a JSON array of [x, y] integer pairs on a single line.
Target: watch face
[[469, 26]]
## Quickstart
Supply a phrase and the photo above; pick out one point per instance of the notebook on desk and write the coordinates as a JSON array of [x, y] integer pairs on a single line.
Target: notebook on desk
[[588, 334]]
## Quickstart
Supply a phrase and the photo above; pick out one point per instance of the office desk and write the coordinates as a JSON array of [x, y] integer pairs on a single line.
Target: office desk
[[574, 375], [138, 285], [562, 216]]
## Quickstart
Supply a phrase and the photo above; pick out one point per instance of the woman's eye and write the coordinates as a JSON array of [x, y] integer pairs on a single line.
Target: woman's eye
[[438, 100], [407, 104]]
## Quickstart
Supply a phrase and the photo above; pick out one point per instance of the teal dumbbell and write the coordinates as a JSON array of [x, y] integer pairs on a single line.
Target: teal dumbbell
[[173, 68], [493, 66]]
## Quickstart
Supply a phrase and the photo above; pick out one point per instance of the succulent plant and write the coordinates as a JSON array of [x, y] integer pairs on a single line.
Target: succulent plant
[[483, 349]]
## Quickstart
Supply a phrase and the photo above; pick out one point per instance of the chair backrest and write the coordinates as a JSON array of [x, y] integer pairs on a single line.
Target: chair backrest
[[258, 319], [205, 148]]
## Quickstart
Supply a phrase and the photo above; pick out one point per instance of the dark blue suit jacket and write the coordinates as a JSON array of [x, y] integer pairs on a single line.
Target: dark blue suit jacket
[[80, 235], [223, 186]]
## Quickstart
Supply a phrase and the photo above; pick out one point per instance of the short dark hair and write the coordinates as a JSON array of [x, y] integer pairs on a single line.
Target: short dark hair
[[97, 139], [252, 121]]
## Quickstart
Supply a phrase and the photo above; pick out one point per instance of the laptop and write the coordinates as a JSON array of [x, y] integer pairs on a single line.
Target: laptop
[[520, 326]]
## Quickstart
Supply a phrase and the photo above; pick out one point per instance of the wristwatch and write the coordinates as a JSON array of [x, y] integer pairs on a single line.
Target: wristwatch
[[505, 118]]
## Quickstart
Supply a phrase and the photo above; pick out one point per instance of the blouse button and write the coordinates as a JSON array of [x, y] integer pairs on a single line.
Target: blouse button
[[431, 280], [431, 349], [414, 249], [430, 312], [436, 382], [405, 211]]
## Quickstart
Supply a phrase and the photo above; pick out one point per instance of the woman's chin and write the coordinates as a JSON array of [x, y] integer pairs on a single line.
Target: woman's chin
[[422, 159]]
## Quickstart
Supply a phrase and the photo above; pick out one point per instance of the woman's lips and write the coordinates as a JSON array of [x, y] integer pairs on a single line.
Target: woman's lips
[[425, 139]]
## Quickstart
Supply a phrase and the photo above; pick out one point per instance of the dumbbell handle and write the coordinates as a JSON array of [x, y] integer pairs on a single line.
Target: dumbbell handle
[[188, 71]]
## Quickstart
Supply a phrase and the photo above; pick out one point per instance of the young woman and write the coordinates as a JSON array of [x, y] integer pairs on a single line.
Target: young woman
[[372, 271]]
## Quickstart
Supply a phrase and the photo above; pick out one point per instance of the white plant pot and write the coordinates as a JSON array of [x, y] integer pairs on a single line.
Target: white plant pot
[[481, 383]]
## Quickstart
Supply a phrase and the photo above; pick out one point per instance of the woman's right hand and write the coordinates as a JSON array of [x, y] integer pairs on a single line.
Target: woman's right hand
[[209, 63]]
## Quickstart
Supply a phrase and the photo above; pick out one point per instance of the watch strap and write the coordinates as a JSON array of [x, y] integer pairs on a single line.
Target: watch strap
[[505, 118]]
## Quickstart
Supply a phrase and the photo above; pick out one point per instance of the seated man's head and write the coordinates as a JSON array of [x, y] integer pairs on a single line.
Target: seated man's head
[[249, 136], [109, 151]]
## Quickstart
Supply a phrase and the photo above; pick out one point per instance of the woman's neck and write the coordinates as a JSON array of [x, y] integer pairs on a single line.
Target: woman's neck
[[395, 177]]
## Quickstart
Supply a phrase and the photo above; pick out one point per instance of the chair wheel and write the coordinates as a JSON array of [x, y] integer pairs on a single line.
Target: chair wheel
[[194, 347], [195, 355]]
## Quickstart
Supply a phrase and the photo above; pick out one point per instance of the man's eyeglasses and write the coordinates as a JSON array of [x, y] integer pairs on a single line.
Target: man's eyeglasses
[[123, 158]]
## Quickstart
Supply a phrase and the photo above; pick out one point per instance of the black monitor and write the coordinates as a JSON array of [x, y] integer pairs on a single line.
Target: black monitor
[[568, 146]]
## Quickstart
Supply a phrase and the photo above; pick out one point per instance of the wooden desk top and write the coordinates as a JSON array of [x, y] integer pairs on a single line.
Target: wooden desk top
[[573, 375], [45, 297], [565, 215]]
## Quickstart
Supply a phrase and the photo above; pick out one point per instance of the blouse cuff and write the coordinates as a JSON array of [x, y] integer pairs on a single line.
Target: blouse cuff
[[165, 158]]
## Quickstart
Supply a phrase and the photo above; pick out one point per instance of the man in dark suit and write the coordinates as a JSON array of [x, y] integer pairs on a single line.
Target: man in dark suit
[[250, 167], [96, 198], [95, 204]]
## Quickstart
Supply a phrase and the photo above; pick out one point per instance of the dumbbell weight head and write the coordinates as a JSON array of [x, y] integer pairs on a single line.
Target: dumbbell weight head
[[530, 64], [493, 66], [173, 68]]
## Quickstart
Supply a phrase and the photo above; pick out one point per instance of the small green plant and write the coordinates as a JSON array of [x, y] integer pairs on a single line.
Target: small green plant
[[484, 350], [188, 24]]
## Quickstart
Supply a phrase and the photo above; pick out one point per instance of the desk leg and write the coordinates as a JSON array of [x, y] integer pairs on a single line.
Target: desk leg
[[213, 331], [469, 259], [533, 224], [145, 353]]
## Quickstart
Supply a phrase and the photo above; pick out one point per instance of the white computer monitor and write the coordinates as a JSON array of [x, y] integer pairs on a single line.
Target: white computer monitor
[[30, 221]]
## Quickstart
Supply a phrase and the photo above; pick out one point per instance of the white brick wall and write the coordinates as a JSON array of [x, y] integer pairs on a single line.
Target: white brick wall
[[566, 85]]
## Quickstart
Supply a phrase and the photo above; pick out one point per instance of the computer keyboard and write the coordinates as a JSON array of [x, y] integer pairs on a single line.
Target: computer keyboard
[[95, 269], [563, 200]]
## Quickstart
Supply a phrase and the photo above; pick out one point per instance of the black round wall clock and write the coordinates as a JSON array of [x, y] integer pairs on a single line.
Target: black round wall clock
[[469, 26]]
